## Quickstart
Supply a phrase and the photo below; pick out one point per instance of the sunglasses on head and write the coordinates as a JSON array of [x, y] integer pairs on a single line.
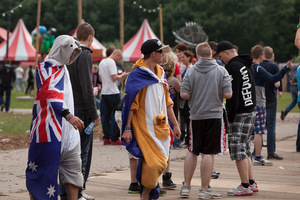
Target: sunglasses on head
[[159, 51]]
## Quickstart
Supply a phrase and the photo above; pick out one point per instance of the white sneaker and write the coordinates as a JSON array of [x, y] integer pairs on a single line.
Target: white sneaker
[[262, 162], [254, 187], [240, 191], [208, 194], [87, 197], [185, 190]]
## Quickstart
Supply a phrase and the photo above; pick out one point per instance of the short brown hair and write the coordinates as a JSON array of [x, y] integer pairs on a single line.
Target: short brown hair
[[84, 30], [181, 47], [188, 54], [109, 50], [213, 45], [203, 50], [268, 52], [257, 51]]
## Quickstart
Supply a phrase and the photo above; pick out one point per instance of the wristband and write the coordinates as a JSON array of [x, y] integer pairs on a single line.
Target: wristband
[[68, 119], [298, 26], [127, 130]]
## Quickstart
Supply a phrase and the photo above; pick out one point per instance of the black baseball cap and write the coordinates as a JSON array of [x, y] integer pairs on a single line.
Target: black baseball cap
[[151, 45], [222, 46]]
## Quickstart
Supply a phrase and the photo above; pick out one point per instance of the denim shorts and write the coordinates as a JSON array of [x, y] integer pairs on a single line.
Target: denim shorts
[[239, 136]]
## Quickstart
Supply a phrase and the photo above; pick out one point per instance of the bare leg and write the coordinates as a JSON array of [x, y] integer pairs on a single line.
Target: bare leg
[[168, 166], [242, 166], [133, 163], [250, 170], [72, 191], [206, 168], [145, 194], [31, 197], [257, 144], [190, 165]]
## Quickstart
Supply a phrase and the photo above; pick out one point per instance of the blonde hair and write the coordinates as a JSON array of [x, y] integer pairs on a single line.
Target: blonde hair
[[268, 52], [203, 50], [168, 63]]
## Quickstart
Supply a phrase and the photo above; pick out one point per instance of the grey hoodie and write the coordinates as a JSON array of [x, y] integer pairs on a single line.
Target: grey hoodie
[[62, 49], [206, 82]]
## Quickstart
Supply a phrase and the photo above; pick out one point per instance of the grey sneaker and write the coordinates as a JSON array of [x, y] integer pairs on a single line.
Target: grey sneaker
[[208, 194], [262, 162], [240, 191], [87, 197], [254, 187], [185, 190]]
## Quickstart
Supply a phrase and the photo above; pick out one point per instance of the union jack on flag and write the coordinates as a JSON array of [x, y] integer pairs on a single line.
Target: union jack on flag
[[46, 129]]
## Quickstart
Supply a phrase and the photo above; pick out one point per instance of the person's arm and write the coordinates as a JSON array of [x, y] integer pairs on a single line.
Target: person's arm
[[297, 38], [127, 134], [185, 95], [172, 118], [116, 77]]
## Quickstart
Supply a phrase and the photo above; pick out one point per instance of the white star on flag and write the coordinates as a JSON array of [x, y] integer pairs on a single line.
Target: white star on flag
[[51, 191], [32, 166]]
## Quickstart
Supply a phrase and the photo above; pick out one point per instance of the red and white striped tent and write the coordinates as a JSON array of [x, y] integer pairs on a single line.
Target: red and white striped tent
[[95, 45], [132, 49], [3, 35], [20, 46]]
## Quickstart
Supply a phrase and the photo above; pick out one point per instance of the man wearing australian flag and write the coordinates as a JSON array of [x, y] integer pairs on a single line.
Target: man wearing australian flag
[[55, 141], [145, 128]]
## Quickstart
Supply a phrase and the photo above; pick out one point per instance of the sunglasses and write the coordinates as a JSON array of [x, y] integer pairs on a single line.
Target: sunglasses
[[168, 70], [159, 51]]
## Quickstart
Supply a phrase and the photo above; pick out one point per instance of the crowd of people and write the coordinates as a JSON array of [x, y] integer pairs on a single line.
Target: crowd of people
[[170, 100]]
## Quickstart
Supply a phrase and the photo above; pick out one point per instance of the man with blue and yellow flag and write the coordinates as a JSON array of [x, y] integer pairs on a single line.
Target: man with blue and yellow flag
[[145, 128]]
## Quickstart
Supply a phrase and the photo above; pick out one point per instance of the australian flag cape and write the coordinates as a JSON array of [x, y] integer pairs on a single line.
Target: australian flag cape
[[46, 129], [137, 80]]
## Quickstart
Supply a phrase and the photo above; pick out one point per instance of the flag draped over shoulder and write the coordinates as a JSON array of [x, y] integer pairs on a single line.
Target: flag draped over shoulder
[[138, 79], [46, 129]]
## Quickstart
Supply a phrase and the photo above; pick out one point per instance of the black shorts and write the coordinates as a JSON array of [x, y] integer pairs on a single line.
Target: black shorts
[[206, 136]]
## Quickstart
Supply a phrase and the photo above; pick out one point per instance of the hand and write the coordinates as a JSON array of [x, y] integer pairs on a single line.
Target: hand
[[290, 63], [97, 121], [173, 90], [77, 123], [127, 136], [280, 94], [124, 74], [95, 91], [177, 132]]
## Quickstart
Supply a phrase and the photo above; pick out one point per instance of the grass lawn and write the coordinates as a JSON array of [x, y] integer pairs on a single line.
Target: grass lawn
[[284, 101], [20, 103], [14, 124]]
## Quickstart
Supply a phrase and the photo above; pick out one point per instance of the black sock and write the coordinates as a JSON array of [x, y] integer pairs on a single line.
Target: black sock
[[245, 185], [251, 181], [258, 157]]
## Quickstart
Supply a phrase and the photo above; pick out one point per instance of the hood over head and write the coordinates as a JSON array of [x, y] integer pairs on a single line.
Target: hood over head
[[63, 48]]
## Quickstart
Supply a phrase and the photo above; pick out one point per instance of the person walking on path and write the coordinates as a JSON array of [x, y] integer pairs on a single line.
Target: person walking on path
[[85, 106], [271, 103], [261, 76], [206, 114], [30, 81], [55, 140], [147, 107], [19, 78], [7, 78], [241, 115]]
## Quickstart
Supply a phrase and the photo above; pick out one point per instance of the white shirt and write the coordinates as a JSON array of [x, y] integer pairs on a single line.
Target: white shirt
[[19, 72], [107, 68]]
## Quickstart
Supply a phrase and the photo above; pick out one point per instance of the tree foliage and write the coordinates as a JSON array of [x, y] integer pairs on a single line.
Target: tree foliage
[[243, 22]]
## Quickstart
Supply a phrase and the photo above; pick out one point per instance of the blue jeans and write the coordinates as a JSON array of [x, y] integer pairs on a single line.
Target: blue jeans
[[298, 133], [86, 142], [7, 97], [19, 81], [294, 99], [108, 106], [271, 128]]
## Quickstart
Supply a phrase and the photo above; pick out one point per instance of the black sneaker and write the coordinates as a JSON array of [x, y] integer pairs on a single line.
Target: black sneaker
[[274, 156], [282, 116], [167, 181], [134, 188], [162, 192], [2, 107]]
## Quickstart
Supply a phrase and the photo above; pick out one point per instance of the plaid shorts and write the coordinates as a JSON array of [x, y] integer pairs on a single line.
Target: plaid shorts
[[260, 120], [239, 136]]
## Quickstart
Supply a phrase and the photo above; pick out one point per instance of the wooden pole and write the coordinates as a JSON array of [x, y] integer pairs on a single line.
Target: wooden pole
[[7, 32], [161, 24], [121, 24], [79, 11], [37, 42]]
